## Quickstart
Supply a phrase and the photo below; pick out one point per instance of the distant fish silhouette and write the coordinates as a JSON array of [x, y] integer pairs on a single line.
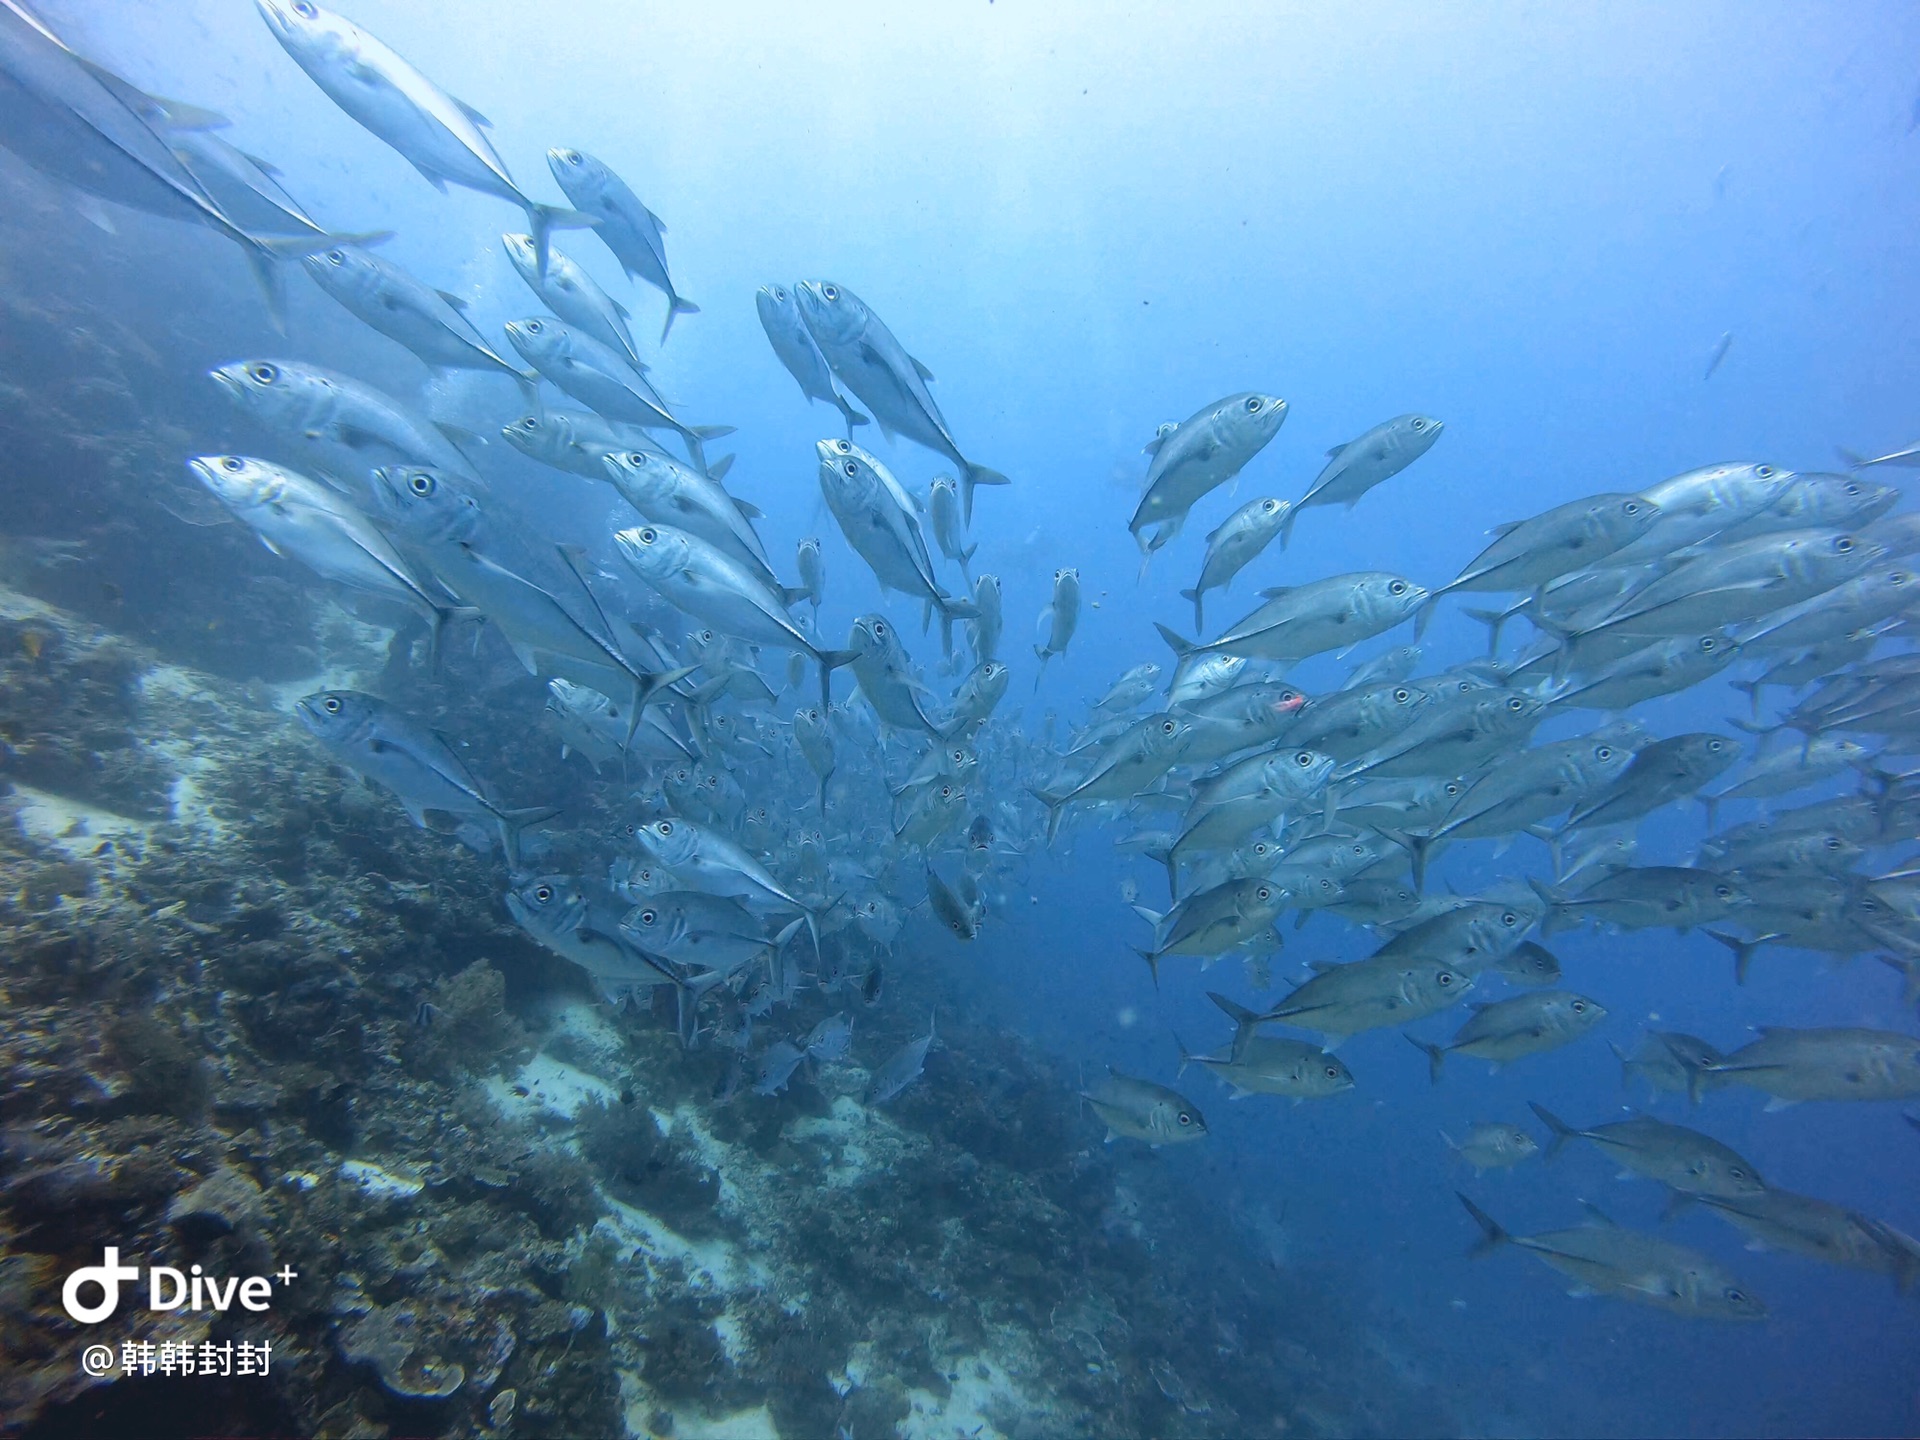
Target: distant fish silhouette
[[1719, 354]]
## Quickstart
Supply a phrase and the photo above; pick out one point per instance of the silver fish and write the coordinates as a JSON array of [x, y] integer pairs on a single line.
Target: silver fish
[[631, 231], [791, 340], [1356, 467]]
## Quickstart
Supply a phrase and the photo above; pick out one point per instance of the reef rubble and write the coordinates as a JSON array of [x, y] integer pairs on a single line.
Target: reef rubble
[[256, 1019]]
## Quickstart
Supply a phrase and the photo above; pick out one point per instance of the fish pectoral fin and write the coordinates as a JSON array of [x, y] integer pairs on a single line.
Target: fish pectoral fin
[[922, 371], [457, 302], [472, 114]]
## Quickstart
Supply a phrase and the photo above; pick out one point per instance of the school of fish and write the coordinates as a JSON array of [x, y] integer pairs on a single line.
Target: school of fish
[[781, 800]]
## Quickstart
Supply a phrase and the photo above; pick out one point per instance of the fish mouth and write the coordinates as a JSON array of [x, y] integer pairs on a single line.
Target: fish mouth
[[223, 376]]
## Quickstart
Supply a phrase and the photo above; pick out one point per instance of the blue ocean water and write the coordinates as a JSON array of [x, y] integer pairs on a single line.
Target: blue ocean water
[[1536, 223]]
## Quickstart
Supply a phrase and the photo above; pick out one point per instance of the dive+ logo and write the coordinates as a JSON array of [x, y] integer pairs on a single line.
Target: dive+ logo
[[167, 1288]]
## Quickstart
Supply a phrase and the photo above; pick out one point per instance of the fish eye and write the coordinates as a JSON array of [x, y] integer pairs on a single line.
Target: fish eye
[[571, 157], [304, 10], [946, 792], [880, 628], [1632, 507], [1716, 746], [331, 704], [1271, 506], [1398, 587], [852, 467], [266, 374], [534, 327], [831, 292], [1265, 892], [635, 458], [647, 917], [1184, 1118], [843, 446], [1605, 752], [1579, 1007], [1853, 489], [1843, 544], [1167, 727], [664, 827], [779, 294], [232, 465], [1507, 917], [1765, 472], [1333, 1072], [1516, 703], [336, 257], [1832, 842], [1453, 787], [1403, 695], [543, 894], [1253, 405], [1303, 759], [1735, 1294], [1723, 892], [648, 536], [1444, 979], [420, 483], [531, 423]]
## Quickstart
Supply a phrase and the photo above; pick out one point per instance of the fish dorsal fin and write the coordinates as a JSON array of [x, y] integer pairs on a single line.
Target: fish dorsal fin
[[922, 371], [1506, 527], [474, 115], [1334, 453], [265, 167], [752, 512], [1323, 967], [620, 310], [1276, 591], [454, 300], [1160, 437], [718, 471], [1598, 1217]]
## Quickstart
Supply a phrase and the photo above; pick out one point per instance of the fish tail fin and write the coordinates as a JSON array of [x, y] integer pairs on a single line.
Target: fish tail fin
[[1851, 460], [1436, 1058], [1424, 616], [1742, 951], [1186, 1055], [1562, 1132], [853, 417], [1043, 655], [966, 559], [1245, 1021], [1179, 644], [1711, 803], [1055, 804], [1286, 525], [265, 252], [1495, 621], [1166, 858], [1490, 1232], [542, 221], [1153, 964], [970, 476], [529, 383], [677, 306], [512, 822], [1198, 597], [1553, 920], [1752, 689], [1418, 847], [830, 661]]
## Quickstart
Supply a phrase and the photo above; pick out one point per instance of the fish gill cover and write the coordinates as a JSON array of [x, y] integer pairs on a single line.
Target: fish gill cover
[[680, 875]]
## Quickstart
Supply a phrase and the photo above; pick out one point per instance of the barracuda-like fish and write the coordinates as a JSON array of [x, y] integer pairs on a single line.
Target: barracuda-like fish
[[705, 583], [1304, 620], [791, 340], [1512, 1029], [634, 234], [1356, 467], [332, 416], [313, 523], [439, 136], [420, 769], [878, 370], [1198, 456], [431, 323], [1603, 1259], [1233, 546], [574, 296]]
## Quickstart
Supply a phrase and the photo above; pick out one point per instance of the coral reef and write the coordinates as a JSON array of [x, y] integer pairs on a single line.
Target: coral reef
[[270, 1023]]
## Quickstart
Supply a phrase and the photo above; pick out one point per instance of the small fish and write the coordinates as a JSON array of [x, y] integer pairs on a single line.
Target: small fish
[[901, 1068], [1724, 344], [1142, 1110], [1493, 1146]]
